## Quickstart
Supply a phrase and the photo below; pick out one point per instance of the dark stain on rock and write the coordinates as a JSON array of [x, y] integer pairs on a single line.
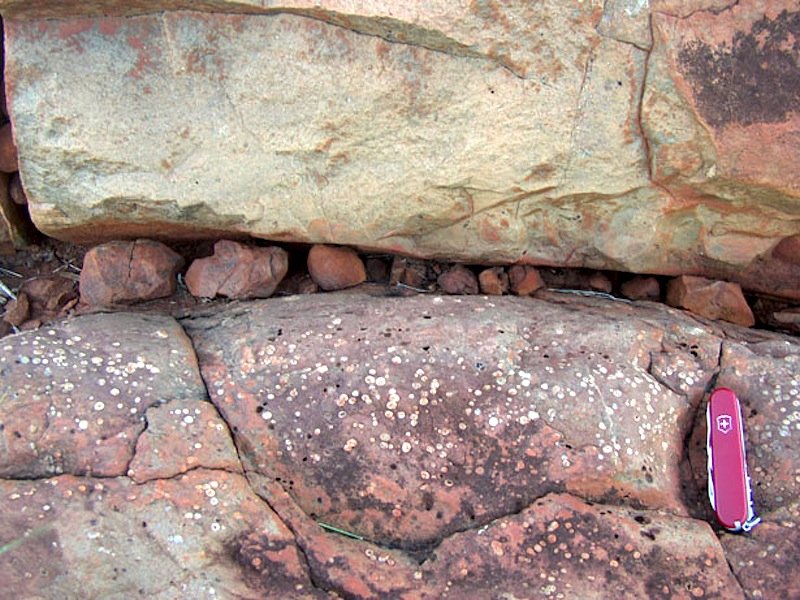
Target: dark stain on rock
[[754, 80], [259, 559]]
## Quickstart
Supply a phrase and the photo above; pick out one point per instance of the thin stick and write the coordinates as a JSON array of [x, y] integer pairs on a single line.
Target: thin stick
[[7, 291], [411, 287], [328, 527], [10, 272], [588, 294]]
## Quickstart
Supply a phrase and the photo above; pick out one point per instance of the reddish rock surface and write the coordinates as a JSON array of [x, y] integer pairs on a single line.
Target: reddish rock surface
[[238, 271], [765, 561], [641, 288], [74, 395], [406, 419], [479, 447], [335, 267], [128, 271], [494, 281], [204, 534], [524, 280], [180, 436], [788, 250], [766, 377], [8, 150], [710, 299], [563, 547], [458, 279]]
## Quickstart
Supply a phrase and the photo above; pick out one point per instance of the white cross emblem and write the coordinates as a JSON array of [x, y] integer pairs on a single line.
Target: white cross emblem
[[724, 423]]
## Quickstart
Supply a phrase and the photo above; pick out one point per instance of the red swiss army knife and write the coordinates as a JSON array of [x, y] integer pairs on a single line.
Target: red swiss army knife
[[728, 480]]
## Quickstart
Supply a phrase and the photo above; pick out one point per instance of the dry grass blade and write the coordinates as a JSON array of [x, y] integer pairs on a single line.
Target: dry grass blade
[[7, 291]]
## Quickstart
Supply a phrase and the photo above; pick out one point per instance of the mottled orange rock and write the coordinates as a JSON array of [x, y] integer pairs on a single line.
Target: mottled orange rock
[[238, 270], [494, 281], [712, 299], [643, 160], [335, 268], [121, 272], [458, 279], [524, 280]]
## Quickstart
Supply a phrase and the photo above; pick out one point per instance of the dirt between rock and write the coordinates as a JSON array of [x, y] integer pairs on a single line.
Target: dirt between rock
[[386, 442]]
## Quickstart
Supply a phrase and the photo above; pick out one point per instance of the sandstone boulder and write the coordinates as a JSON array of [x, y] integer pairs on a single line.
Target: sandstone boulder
[[335, 268], [393, 447], [710, 299], [128, 271], [494, 281], [642, 288], [524, 280], [458, 279], [463, 133], [720, 113], [238, 271]]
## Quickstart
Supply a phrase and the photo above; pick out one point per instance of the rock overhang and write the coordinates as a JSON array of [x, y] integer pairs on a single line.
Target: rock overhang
[[476, 138]]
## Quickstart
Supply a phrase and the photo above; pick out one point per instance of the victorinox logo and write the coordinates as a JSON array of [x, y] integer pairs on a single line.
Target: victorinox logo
[[724, 423]]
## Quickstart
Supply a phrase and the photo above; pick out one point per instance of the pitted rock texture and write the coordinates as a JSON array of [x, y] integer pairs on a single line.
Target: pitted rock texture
[[591, 139], [204, 534], [766, 377], [546, 494], [608, 551], [73, 396], [765, 561], [401, 419], [560, 545]]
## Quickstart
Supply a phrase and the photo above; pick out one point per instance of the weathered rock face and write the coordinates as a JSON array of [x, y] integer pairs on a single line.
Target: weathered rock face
[[201, 535], [530, 490], [403, 419], [487, 132], [73, 397]]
